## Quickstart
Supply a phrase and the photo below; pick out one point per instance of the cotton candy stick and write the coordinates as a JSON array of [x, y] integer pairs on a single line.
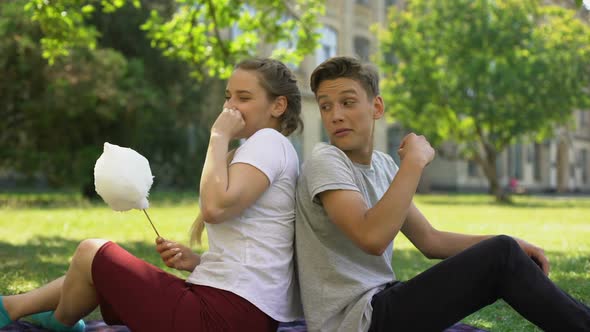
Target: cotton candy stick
[[154, 227]]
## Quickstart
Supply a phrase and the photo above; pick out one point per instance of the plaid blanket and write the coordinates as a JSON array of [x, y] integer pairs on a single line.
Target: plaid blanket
[[100, 326]]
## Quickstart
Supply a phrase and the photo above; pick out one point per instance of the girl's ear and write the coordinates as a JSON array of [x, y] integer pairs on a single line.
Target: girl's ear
[[378, 108], [279, 106]]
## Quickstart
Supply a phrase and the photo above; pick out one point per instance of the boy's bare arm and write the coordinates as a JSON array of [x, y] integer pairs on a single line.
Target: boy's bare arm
[[439, 244], [432, 242], [373, 229]]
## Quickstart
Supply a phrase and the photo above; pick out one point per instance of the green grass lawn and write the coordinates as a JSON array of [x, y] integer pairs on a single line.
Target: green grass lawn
[[39, 232]]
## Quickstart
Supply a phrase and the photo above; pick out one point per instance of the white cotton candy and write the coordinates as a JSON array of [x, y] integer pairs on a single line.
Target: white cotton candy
[[122, 177]]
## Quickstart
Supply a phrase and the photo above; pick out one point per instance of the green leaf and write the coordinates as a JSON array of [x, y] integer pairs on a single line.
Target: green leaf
[[88, 9], [195, 32], [484, 73]]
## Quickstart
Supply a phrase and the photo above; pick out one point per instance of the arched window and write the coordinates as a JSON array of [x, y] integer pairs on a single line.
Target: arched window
[[362, 47], [328, 44]]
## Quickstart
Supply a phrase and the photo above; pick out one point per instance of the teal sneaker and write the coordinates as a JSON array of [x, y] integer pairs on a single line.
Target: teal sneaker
[[48, 321], [4, 317]]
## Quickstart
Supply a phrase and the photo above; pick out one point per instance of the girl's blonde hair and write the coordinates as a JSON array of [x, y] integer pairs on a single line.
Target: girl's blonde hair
[[197, 230], [277, 80]]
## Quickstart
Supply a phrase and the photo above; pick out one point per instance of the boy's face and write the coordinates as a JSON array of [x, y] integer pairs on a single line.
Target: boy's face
[[348, 115]]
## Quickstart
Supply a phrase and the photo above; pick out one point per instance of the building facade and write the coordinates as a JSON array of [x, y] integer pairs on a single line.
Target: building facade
[[345, 30], [561, 164]]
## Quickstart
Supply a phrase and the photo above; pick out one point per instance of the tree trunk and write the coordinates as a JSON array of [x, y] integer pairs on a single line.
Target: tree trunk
[[488, 164], [563, 173]]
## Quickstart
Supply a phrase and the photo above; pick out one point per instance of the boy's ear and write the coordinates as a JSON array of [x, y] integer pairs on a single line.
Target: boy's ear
[[280, 106], [378, 108]]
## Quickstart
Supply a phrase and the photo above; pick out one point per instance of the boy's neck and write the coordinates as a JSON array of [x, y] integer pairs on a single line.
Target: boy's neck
[[362, 157]]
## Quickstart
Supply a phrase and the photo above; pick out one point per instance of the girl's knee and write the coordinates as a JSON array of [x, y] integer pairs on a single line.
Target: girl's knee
[[86, 251]]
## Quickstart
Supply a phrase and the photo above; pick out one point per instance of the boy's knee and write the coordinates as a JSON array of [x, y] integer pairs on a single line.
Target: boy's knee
[[504, 243]]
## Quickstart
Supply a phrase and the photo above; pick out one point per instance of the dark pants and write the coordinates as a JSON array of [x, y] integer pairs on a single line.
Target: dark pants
[[460, 285]]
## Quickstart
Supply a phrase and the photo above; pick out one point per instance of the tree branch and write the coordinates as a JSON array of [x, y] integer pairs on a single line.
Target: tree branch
[[222, 45], [291, 11], [193, 21]]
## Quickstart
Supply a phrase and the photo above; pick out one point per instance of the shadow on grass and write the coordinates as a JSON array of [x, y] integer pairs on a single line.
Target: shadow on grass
[[65, 199], [565, 269], [553, 202], [27, 266]]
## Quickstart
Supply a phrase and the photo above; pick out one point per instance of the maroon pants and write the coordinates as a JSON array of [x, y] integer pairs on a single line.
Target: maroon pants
[[135, 293]]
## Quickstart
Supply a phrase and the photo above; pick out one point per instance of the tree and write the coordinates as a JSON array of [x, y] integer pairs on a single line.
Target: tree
[[194, 31], [55, 118], [485, 73], [74, 74]]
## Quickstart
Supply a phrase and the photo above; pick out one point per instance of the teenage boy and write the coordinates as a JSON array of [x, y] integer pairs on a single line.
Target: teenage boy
[[353, 201]]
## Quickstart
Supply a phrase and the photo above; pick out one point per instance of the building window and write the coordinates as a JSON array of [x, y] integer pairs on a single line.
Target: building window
[[390, 58], [361, 48], [394, 139], [389, 3], [328, 44], [472, 168], [363, 2], [518, 161], [537, 162], [287, 46], [530, 156], [499, 166], [325, 136], [515, 161], [584, 165]]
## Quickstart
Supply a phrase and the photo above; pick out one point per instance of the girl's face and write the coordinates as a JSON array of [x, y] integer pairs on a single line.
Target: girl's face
[[245, 94]]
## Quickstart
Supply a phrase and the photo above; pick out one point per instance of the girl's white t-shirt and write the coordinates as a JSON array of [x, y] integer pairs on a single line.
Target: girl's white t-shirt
[[252, 255]]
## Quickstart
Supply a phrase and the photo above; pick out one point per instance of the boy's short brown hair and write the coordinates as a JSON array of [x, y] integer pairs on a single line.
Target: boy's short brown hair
[[347, 67]]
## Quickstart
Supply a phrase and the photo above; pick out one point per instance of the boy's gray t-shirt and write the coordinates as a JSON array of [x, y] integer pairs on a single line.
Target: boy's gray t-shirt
[[337, 278]]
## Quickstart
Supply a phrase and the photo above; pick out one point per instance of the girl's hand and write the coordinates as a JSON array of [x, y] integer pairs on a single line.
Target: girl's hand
[[176, 255], [228, 124]]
